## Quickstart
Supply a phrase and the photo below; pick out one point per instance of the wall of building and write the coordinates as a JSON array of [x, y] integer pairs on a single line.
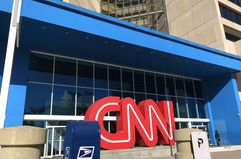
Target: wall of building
[[17, 89], [88, 4], [196, 20], [224, 107]]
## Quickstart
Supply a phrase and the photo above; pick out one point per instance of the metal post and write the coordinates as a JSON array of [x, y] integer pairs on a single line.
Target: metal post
[[15, 18]]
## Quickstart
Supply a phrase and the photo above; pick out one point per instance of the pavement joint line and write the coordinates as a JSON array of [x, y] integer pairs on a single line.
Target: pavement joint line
[[225, 148]]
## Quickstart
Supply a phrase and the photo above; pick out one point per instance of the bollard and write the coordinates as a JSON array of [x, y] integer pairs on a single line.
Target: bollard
[[21, 142], [184, 143]]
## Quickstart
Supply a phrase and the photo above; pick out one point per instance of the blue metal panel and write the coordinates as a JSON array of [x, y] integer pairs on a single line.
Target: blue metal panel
[[6, 6], [225, 107], [15, 106], [87, 21]]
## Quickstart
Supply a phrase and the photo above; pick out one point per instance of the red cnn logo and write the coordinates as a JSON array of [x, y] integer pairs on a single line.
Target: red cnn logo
[[148, 123]]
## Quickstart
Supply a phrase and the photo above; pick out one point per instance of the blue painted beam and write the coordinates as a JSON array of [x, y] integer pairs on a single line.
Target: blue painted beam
[[66, 15]]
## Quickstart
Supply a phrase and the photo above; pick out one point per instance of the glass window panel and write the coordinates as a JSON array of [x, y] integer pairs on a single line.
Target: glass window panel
[[38, 99], [114, 78], [128, 94], [84, 100], [101, 76], [174, 102], [139, 97], [85, 74], [201, 108], [113, 126], [139, 81], [40, 68], [198, 89], [189, 88], [106, 125], [151, 96], [184, 125], [65, 71], [161, 98], [170, 89], [177, 124], [192, 108], [160, 82], [40, 124], [64, 100], [127, 80], [99, 94], [115, 93], [180, 87], [182, 108], [150, 83]]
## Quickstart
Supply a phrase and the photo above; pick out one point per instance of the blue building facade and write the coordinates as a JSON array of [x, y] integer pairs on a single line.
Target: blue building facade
[[68, 57]]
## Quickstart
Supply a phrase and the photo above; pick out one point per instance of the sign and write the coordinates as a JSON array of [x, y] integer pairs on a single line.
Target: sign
[[67, 153], [200, 145], [86, 152], [148, 123]]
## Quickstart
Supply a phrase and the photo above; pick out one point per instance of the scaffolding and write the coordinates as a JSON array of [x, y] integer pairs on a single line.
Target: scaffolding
[[148, 13]]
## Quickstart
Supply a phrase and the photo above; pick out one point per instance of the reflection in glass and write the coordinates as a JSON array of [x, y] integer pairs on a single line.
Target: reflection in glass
[[170, 85], [201, 108], [150, 83], [38, 99], [160, 83], [127, 80], [180, 87], [99, 94], [139, 81], [85, 74], [63, 101], [189, 88], [101, 76], [84, 100], [40, 68], [192, 108], [182, 108], [65, 71], [114, 78]]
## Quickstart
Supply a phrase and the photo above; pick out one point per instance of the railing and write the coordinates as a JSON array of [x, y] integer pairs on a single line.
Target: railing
[[54, 146], [55, 141]]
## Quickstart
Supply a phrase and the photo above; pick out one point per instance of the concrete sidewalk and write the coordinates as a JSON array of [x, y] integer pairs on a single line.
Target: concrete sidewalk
[[230, 152]]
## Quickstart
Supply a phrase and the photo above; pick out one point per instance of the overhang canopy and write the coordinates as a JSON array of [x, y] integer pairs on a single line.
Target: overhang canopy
[[59, 28]]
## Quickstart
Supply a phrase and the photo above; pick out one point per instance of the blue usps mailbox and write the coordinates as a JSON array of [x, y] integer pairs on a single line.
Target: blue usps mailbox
[[82, 140]]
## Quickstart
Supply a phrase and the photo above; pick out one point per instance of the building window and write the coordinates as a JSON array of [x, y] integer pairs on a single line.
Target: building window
[[237, 2], [63, 100], [230, 14], [40, 68], [232, 37], [38, 99], [150, 14], [64, 86]]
